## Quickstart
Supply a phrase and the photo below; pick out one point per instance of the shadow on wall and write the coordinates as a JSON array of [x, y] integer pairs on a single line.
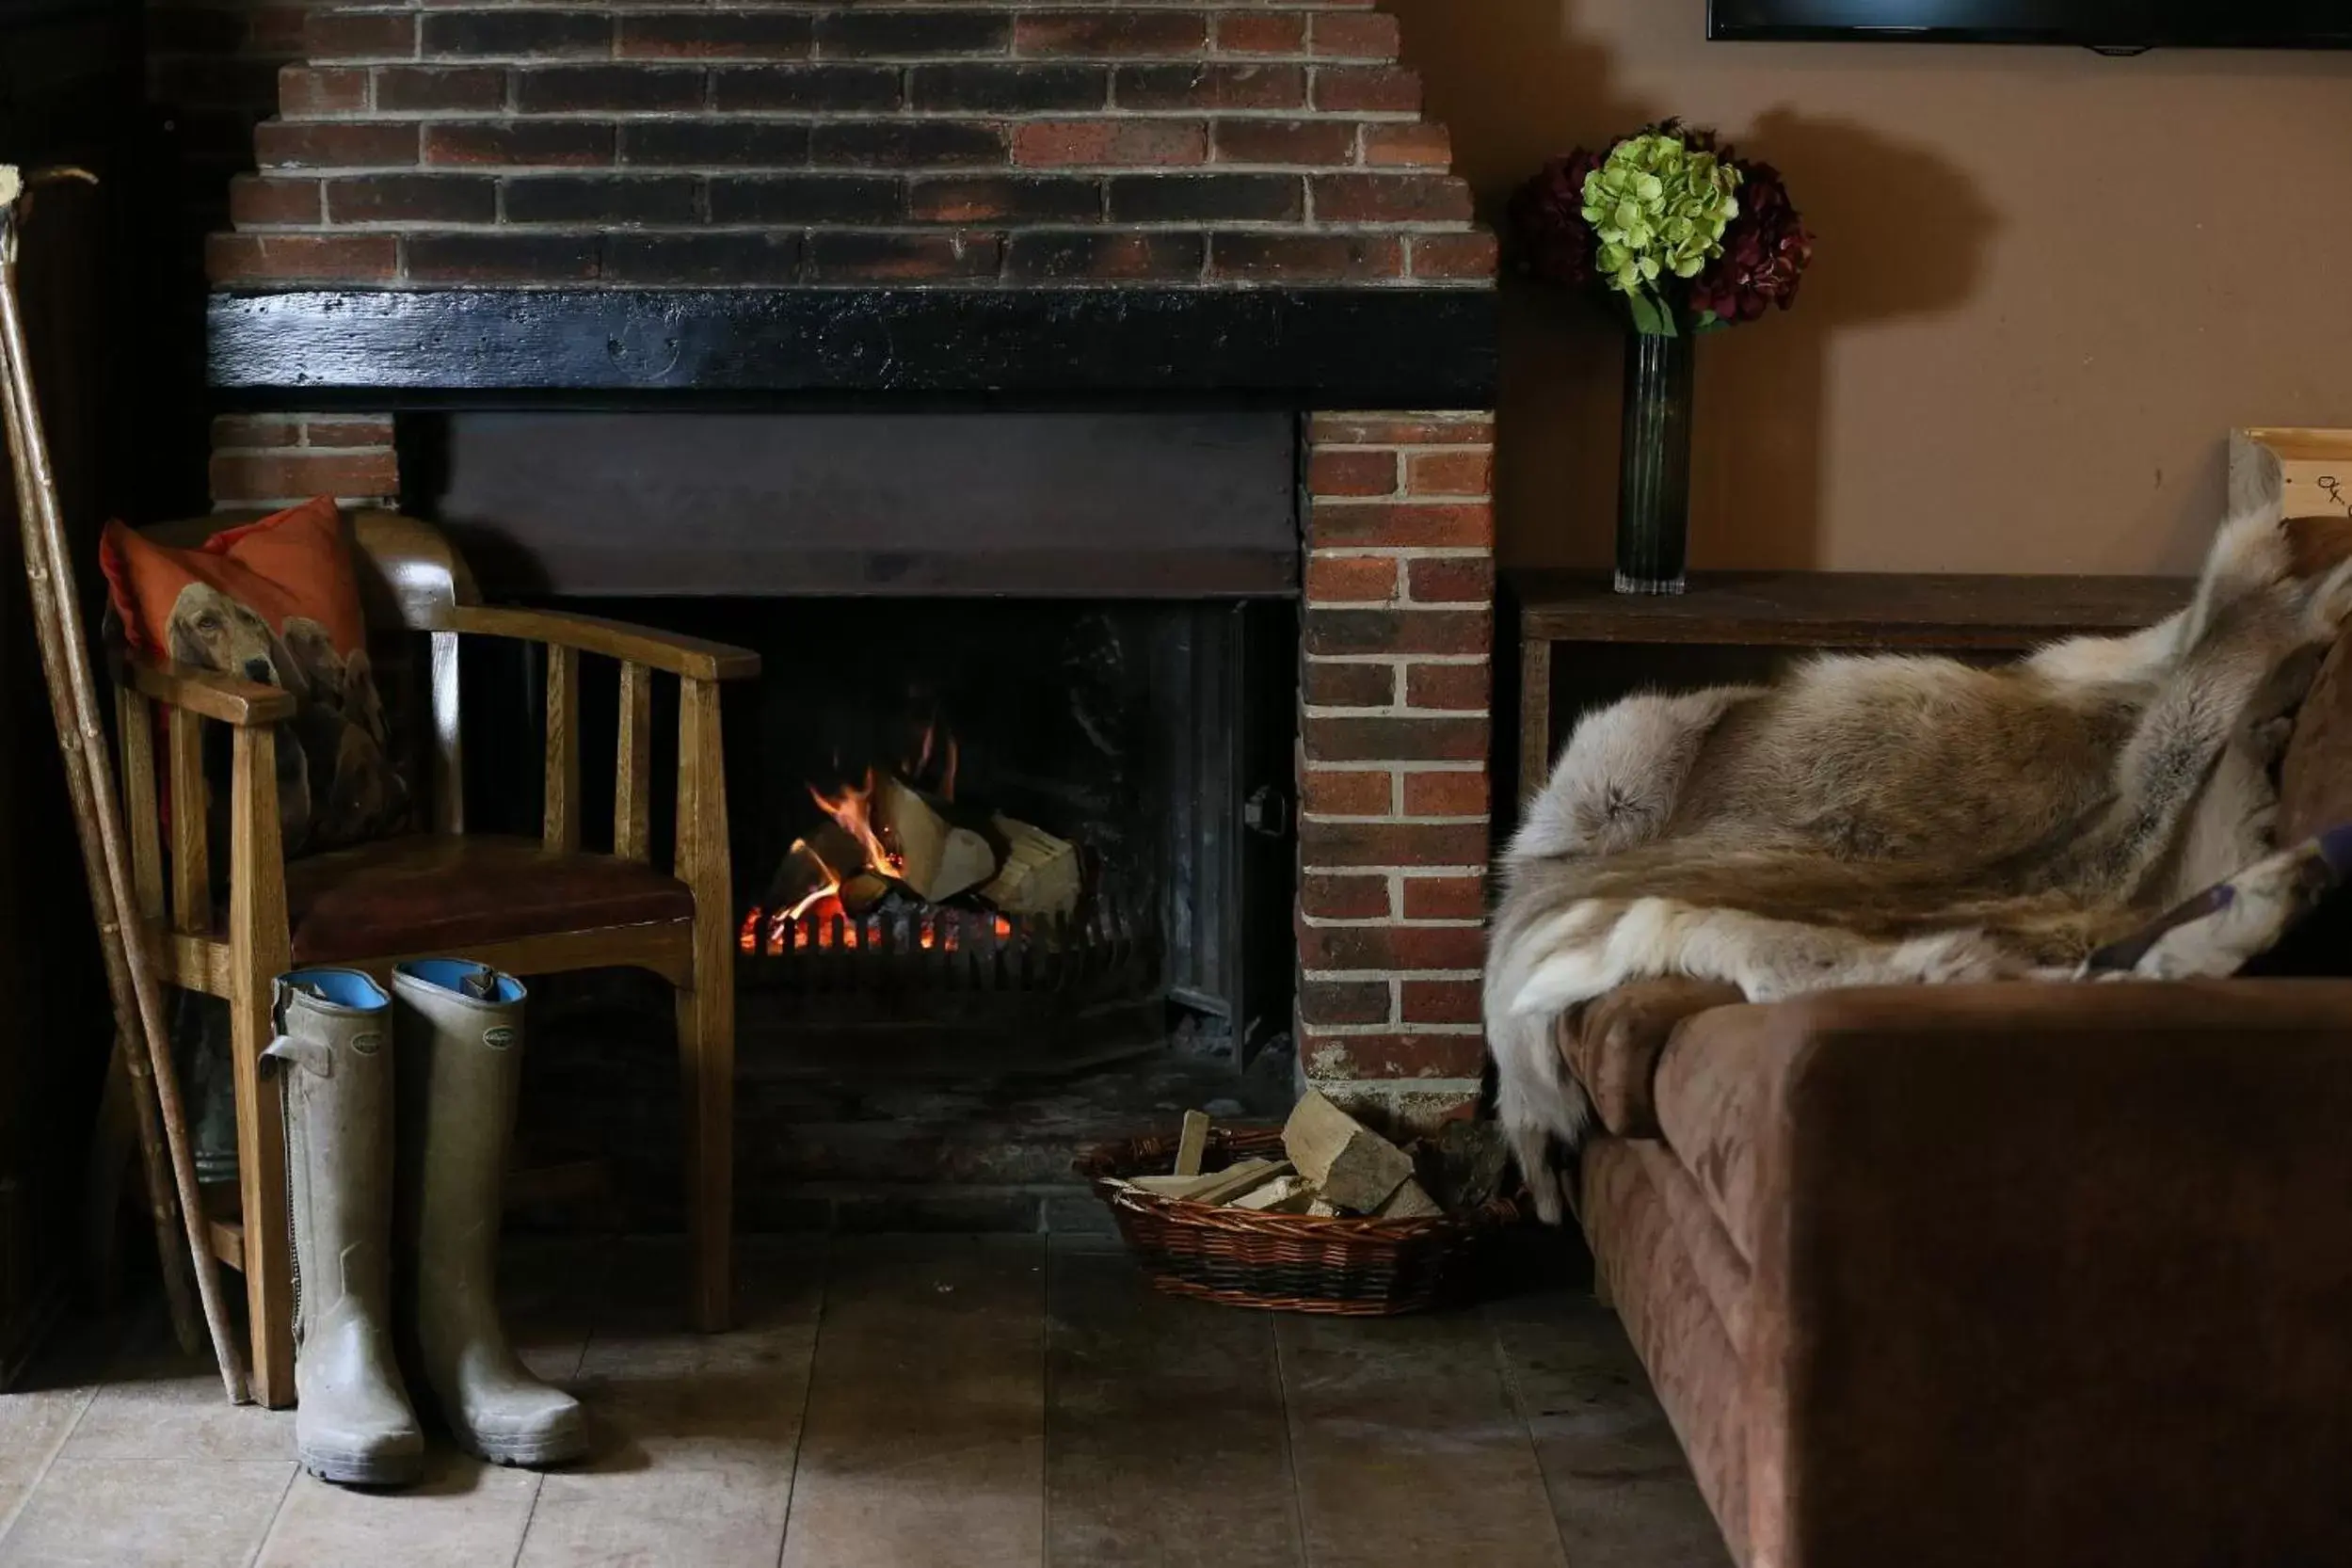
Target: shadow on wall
[[1902, 233]]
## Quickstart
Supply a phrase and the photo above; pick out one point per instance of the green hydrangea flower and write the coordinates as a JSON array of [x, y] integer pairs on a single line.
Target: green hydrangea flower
[[1659, 209]]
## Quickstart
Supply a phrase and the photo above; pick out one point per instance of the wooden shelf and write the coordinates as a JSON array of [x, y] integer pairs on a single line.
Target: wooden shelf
[[1793, 612], [1823, 609]]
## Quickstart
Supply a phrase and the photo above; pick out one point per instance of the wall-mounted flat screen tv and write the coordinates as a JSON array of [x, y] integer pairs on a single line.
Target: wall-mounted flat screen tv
[[2121, 25]]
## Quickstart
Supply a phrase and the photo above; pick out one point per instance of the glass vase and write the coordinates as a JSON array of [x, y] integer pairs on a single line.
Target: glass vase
[[1653, 463]]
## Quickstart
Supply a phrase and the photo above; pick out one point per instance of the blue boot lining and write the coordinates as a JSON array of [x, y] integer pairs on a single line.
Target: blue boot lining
[[342, 987], [448, 973]]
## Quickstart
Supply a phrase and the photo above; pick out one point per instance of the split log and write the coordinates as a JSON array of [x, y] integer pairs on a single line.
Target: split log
[[861, 892], [1041, 873], [1215, 1186], [838, 848], [1464, 1165], [1409, 1201], [1242, 1179], [1289, 1195], [801, 872], [1352, 1166], [937, 859], [1193, 1144]]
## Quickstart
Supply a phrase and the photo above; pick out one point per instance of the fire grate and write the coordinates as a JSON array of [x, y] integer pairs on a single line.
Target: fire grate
[[1107, 949]]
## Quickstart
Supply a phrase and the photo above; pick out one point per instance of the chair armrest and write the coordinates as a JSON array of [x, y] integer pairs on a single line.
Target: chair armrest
[[2076, 1248], [689, 656], [244, 704]]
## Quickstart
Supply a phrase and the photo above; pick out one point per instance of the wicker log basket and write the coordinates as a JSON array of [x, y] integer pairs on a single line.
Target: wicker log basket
[[1357, 1268]]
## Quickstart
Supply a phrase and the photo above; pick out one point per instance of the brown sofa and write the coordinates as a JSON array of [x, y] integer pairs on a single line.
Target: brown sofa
[[2001, 1276]]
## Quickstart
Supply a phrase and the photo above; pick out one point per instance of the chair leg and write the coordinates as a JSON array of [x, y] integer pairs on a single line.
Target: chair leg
[[262, 1180], [706, 1050]]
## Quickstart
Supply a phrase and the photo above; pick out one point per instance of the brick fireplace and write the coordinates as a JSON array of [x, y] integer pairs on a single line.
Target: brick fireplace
[[799, 208]]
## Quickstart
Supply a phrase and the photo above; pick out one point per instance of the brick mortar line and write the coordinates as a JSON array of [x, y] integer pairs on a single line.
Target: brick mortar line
[[1398, 822], [369, 450], [1455, 659], [1356, 503], [1453, 497], [1405, 552], [1400, 874], [1404, 603], [1400, 1026], [1397, 1088], [295, 282], [1209, 228], [1393, 764]]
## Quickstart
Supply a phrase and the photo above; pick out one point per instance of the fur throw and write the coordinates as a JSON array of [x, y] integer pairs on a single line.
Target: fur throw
[[1891, 820]]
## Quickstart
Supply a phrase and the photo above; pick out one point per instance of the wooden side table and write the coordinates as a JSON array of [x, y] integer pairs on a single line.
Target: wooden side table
[[1568, 617]]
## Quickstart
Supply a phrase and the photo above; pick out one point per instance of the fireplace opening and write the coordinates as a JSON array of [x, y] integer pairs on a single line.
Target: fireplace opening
[[1011, 805]]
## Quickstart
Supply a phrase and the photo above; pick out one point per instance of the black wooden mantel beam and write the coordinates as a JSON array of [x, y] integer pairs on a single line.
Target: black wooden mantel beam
[[1326, 348]]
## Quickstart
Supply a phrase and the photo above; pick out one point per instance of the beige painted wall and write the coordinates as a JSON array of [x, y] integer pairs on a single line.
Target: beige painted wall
[[2047, 284]]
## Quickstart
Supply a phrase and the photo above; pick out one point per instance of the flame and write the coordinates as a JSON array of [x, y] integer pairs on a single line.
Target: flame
[[828, 890], [849, 810], [915, 769], [821, 921]]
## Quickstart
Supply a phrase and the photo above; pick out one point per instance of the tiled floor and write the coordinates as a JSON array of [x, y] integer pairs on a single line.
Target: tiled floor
[[928, 1402]]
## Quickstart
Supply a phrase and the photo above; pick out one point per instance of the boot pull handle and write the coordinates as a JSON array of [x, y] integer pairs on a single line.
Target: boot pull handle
[[308, 1054]]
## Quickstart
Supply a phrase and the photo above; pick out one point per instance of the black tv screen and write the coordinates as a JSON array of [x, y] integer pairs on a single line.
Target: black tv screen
[[2098, 24]]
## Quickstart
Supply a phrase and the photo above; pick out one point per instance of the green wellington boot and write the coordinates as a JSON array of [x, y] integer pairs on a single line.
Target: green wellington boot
[[334, 1055], [460, 1029]]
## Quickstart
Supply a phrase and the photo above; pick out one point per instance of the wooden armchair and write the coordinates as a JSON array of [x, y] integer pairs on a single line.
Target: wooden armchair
[[531, 906]]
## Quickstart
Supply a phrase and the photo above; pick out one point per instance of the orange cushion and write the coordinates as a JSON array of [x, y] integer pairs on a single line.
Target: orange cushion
[[277, 602]]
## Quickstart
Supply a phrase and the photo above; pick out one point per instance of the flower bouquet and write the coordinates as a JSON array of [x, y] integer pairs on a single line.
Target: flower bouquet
[[1691, 239]]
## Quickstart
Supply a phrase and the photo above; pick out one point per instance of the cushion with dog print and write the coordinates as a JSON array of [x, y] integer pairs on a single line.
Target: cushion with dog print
[[276, 603]]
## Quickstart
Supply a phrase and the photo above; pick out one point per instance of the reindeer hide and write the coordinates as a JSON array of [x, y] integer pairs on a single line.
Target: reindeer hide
[[1887, 820]]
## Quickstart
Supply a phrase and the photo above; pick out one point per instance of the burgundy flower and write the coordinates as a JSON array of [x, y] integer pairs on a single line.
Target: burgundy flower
[[1550, 237], [1766, 252]]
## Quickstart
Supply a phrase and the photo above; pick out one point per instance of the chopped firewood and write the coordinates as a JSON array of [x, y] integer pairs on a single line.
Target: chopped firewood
[[1352, 1166], [1242, 1179], [1215, 1186], [1409, 1202], [863, 891], [801, 876], [1289, 1195], [838, 848], [1464, 1167], [1193, 1144], [1172, 1186], [1323, 1209], [937, 858], [1041, 872]]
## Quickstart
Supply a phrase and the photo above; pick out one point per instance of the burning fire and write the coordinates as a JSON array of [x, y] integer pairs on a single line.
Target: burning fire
[[851, 810], [825, 926], [867, 850]]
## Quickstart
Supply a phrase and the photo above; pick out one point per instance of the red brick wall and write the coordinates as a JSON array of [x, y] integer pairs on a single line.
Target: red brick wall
[[1393, 837], [985, 141], [980, 143], [277, 459]]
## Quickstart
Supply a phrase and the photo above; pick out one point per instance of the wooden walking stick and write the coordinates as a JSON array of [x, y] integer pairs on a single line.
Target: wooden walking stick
[[89, 773]]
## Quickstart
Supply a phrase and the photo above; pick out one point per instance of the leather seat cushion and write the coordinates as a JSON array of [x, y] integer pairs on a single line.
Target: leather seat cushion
[[434, 894]]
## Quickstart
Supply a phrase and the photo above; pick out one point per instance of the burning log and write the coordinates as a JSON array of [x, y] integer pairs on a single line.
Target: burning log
[[1041, 873], [933, 856], [801, 879], [861, 892]]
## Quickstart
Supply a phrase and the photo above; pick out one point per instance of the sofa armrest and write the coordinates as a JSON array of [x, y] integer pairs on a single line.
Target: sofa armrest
[[2051, 1274], [1611, 1045]]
